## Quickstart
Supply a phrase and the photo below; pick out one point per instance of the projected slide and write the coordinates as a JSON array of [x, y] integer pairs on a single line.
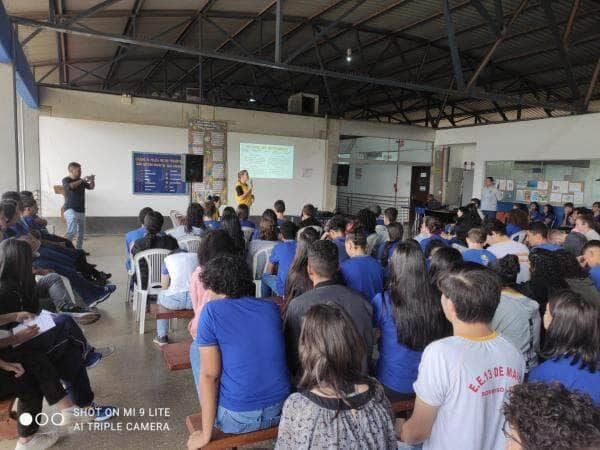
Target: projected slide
[[267, 160]]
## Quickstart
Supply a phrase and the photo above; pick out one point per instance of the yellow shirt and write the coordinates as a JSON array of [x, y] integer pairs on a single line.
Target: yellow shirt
[[244, 188]]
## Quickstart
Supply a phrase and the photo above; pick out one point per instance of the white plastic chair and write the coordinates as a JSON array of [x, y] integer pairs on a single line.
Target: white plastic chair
[[248, 232], [190, 244], [260, 262], [176, 217], [130, 277], [154, 260], [520, 236]]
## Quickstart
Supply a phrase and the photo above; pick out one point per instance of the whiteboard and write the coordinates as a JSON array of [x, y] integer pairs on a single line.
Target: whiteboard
[[307, 184]]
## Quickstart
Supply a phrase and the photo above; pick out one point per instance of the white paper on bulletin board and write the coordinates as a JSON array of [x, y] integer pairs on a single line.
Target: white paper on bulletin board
[[520, 196], [543, 185], [568, 198], [578, 198], [575, 187], [560, 186], [502, 185], [510, 185], [555, 197]]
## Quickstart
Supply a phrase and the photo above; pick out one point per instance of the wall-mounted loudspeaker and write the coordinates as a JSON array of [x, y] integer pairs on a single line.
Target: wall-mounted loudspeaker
[[194, 168], [340, 174]]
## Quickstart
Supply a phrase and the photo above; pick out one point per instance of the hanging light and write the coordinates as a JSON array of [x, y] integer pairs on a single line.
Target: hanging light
[[348, 54]]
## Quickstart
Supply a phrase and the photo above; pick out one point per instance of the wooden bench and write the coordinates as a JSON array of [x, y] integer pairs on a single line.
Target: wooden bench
[[177, 355], [160, 312], [222, 440], [8, 424]]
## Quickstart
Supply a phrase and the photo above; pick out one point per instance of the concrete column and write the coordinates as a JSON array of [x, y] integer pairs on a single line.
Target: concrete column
[[29, 147], [8, 138], [331, 154]]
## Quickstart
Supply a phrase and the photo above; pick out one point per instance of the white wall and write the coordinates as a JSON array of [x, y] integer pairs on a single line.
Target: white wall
[[573, 137], [104, 148], [303, 188]]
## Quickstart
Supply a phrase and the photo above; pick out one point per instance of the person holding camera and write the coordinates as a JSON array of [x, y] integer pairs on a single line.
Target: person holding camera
[[75, 186]]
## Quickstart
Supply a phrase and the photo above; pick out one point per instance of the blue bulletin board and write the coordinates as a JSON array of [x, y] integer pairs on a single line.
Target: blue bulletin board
[[158, 173]]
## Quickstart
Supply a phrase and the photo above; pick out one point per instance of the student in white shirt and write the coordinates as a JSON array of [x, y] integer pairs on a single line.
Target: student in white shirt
[[501, 245], [464, 379], [490, 196]]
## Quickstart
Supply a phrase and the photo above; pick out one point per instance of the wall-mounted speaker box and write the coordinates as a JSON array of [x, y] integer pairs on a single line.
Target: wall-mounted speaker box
[[194, 168]]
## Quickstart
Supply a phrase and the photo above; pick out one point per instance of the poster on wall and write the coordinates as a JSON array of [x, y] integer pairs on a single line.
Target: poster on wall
[[560, 186], [209, 139], [158, 173], [555, 197]]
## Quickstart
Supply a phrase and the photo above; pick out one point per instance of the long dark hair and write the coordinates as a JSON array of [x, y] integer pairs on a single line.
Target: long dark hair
[[518, 217], [215, 243], [15, 269], [574, 330], [367, 220], [442, 260], [231, 224], [331, 351], [194, 217], [546, 268], [395, 232], [267, 229], [417, 312], [153, 222], [297, 281]]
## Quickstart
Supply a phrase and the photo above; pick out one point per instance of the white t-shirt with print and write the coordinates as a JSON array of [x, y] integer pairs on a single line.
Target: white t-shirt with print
[[468, 381], [510, 247], [180, 266]]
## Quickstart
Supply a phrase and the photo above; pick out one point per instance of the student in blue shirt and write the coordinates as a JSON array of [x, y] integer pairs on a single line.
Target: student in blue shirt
[[476, 238], [361, 272], [431, 229], [572, 344], [591, 258], [244, 378], [410, 317], [280, 261], [386, 250], [537, 237], [535, 215], [134, 235], [243, 212], [210, 210], [335, 230], [279, 209]]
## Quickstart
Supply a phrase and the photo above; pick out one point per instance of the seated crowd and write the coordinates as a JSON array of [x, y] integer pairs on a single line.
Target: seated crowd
[[319, 327], [42, 271], [476, 325]]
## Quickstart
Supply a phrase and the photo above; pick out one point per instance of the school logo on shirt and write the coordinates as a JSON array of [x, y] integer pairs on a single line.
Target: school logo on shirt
[[485, 260], [493, 374]]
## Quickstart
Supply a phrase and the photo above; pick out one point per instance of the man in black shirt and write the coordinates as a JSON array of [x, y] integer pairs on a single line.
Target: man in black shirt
[[75, 186], [323, 265]]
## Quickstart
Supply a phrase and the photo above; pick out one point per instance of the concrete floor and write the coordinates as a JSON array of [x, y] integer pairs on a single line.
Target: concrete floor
[[135, 376]]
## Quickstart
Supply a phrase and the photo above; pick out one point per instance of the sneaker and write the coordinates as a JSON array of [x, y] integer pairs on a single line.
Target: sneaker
[[102, 413], [92, 359], [106, 351], [160, 340], [108, 290], [39, 441], [82, 315]]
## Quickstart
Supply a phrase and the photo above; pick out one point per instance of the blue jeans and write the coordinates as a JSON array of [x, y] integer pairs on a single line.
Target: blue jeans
[[75, 226], [179, 300], [405, 446], [268, 286], [247, 421], [195, 361], [491, 215]]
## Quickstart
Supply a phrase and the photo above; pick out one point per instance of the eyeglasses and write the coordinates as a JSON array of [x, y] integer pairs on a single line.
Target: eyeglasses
[[505, 431]]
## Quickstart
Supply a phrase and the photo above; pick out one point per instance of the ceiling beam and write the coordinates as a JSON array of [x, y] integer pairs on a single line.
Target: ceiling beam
[[479, 94]]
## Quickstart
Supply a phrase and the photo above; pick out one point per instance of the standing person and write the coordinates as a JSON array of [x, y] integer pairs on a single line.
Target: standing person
[[464, 379], [75, 186], [490, 196], [337, 406], [243, 190]]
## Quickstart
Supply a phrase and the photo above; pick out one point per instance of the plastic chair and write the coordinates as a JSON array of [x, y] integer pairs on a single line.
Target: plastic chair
[[176, 218], [130, 278], [154, 260], [248, 232], [190, 244], [260, 262]]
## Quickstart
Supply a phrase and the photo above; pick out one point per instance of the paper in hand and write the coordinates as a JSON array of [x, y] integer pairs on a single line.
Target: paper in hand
[[44, 321]]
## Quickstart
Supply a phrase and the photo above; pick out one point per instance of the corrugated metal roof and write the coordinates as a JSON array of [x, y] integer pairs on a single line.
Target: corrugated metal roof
[[413, 34]]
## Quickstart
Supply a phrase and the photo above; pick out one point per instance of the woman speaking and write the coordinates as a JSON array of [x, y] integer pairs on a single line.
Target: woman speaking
[[243, 189]]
